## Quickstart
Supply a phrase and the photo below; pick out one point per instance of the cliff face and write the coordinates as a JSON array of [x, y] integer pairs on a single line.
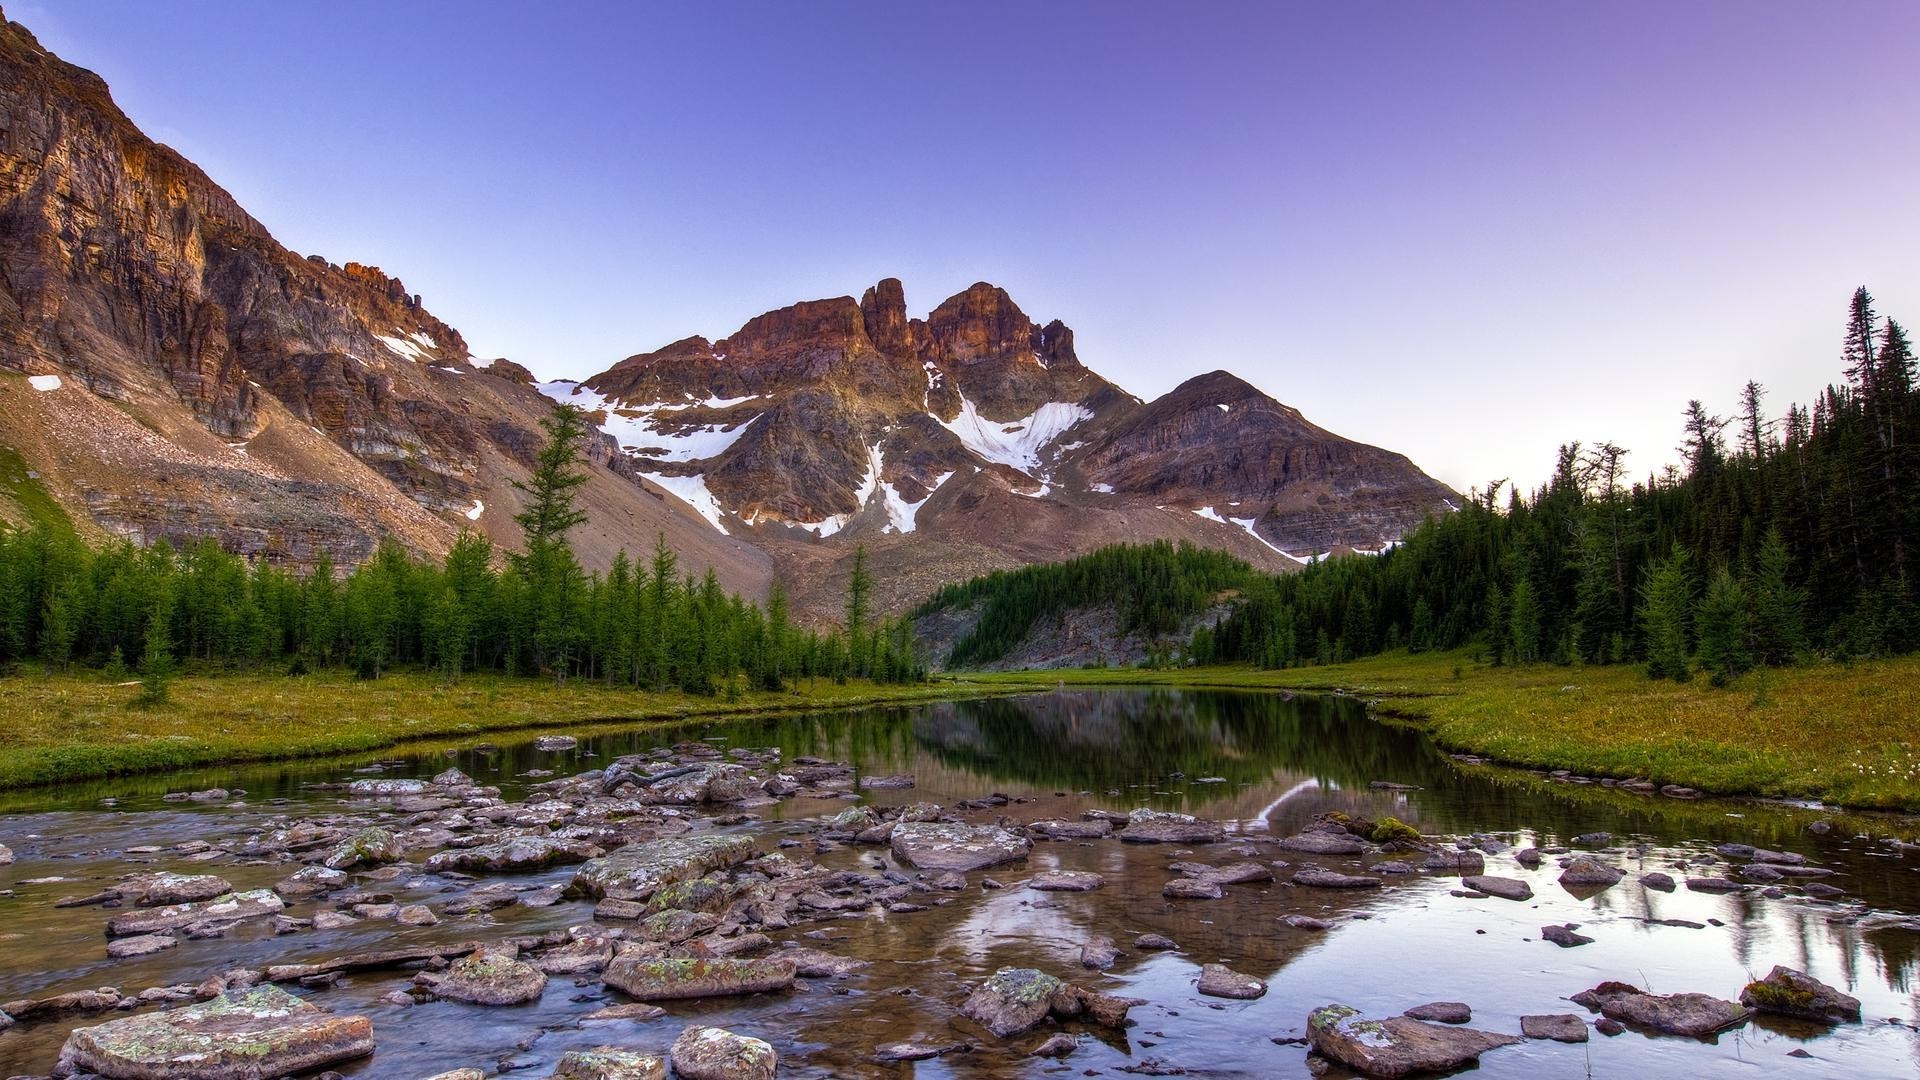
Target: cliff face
[[199, 379]]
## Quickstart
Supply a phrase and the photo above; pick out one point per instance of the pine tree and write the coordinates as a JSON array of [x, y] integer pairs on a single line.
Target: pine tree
[[156, 659], [1724, 625], [553, 576], [1778, 624], [1666, 600], [859, 604]]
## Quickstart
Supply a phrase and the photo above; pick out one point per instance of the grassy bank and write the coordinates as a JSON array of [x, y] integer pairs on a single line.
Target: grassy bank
[[1848, 735], [72, 728]]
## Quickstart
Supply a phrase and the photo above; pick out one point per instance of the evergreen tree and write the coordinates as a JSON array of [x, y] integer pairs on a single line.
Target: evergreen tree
[[1724, 626], [859, 603], [1778, 629], [1667, 599]]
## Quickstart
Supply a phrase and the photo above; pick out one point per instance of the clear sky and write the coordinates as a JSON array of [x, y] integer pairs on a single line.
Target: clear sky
[[1464, 231]]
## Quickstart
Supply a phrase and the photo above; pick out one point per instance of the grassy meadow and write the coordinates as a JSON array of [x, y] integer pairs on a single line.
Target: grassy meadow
[[1844, 734]]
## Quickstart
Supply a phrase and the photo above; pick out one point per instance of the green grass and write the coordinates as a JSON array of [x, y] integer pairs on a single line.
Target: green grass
[[1844, 734], [28, 495], [67, 728]]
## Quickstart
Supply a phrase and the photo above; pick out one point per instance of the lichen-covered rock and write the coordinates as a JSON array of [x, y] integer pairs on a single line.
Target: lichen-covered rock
[[368, 847], [252, 904], [609, 1063], [1697, 1015], [309, 881], [936, 845], [487, 977], [669, 979], [148, 890], [517, 853], [1787, 992], [1396, 1046], [711, 1053], [555, 743], [1164, 827], [1014, 1000], [634, 872], [387, 788], [240, 1035]]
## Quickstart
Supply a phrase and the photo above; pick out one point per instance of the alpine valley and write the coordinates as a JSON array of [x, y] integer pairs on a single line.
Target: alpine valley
[[169, 371]]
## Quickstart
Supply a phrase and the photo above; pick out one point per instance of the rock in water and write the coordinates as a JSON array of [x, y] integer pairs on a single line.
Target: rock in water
[[1442, 1012], [1014, 1000], [487, 977], [937, 845], [1066, 881], [1585, 876], [635, 871], [1324, 843], [673, 979], [518, 853], [1560, 1027], [1787, 992], [609, 1063], [368, 847], [1673, 1014], [240, 1035], [1564, 936], [711, 1053], [1218, 980], [1161, 827], [1505, 888], [1397, 1046], [244, 905], [555, 743], [1317, 878]]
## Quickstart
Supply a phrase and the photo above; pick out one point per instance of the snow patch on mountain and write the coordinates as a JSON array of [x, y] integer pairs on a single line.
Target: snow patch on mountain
[[901, 514], [1015, 443]]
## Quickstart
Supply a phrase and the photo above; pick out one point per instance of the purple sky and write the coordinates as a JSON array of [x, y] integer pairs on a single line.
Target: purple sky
[[1468, 232]]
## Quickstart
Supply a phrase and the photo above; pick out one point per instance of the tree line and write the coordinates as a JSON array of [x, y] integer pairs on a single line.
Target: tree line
[[646, 623], [1778, 537]]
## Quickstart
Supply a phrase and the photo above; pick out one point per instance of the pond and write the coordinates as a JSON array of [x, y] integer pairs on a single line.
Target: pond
[[1264, 766]]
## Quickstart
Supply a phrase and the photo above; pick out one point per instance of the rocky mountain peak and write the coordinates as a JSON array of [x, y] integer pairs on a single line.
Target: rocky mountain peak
[[884, 310]]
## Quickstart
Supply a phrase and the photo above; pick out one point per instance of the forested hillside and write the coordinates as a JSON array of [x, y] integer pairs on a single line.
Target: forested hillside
[[63, 602], [1152, 589], [1781, 535]]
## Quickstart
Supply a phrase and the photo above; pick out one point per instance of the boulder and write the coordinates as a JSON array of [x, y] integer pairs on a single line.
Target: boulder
[[1787, 992], [1066, 881], [609, 1063], [635, 871], [1397, 1046], [1564, 936], [1154, 943], [1656, 880], [935, 845], [487, 977], [1016, 1000], [1585, 875], [239, 1035], [1218, 980], [148, 890], [1505, 888], [254, 903], [1560, 1027], [711, 1053], [663, 979], [1162, 827], [368, 847], [1697, 1015], [1099, 953]]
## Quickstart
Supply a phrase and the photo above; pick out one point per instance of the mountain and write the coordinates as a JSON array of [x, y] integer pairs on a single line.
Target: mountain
[[975, 439], [177, 373], [169, 371]]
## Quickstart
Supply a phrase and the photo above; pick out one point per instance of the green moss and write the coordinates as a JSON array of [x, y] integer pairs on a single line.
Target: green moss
[[1391, 831], [1776, 997]]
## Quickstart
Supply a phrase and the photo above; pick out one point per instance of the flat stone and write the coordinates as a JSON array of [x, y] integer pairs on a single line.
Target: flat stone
[[144, 945], [711, 1053], [555, 743], [1787, 992], [369, 961], [1054, 829], [1505, 888], [1186, 888], [1218, 980], [1306, 922], [239, 1035], [634, 872], [1564, 936], [148, 890], [1442, 1012], [660, 979], [1560, 1027], [519, 853], [1066, 881], [1317, 878], [915, 1051], [254, 903], [609, 1063], [1696, 1015], [378, 789], [818, 964], [1714, 885], [936, 845], [1396, 1046], [1154, 943], [1324, 843], [1163, 827], [638, 1010]]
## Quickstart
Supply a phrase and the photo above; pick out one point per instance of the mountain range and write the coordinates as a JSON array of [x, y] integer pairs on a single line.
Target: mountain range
[[169, 371]]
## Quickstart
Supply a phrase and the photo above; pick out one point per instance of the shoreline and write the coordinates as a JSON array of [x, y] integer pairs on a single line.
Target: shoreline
[[1842, 735], [70, 728]]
